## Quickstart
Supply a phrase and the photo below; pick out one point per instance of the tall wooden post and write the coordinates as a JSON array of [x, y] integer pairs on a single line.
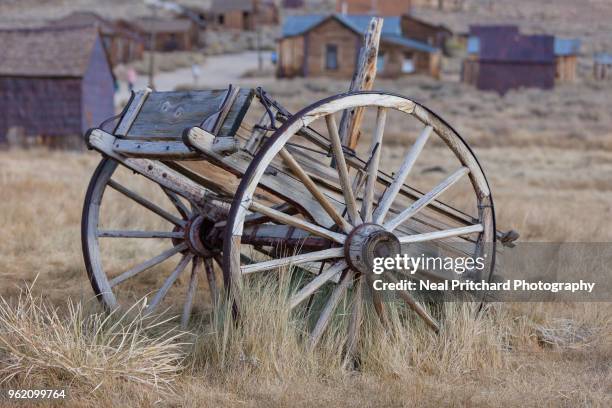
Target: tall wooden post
[[363, 80]]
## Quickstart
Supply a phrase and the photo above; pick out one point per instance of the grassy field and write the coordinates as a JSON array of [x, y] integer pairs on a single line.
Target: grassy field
[[55, 333], [547, 156]]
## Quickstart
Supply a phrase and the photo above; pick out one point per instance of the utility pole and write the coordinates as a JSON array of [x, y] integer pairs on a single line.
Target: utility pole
[[152, 51], [258, 39]]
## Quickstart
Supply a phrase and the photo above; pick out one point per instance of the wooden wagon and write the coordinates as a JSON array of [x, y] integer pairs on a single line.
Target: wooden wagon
[[257, 189]]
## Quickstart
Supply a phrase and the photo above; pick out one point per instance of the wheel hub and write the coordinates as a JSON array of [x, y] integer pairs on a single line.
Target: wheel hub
[[196, 233], [367, 242]]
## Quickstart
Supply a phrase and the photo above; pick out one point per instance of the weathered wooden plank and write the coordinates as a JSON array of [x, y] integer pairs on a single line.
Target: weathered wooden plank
[[163, 150], [363, 80], [167, 114], [277, 183], [152, 169], [132, 112]]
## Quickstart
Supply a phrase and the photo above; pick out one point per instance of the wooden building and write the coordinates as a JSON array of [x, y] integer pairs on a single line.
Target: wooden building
[[602, 67], [170, 34], [444, 5], [292, 4], [242, 15], [426, 32], [316, 45], [373, 7], [566, 58], [501, 58], [122, 44], [55, 83]]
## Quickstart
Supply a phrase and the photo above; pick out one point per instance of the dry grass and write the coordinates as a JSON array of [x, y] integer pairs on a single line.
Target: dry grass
[[513, 355], [495, 358], [97, 354]]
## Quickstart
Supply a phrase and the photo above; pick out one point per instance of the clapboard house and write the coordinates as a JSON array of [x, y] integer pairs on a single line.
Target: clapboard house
[[418, 29], [122, 44], [566, 58], [374, 7], [500, 58], [165, 34], [55, 83], [602, 66], [242, 15], [328, 45]]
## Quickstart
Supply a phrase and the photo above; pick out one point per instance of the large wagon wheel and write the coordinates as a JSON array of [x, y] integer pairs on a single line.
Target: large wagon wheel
[[139, 239], [379, 216]]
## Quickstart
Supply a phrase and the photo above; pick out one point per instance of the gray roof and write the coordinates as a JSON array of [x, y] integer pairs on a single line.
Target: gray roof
[[47, 52]]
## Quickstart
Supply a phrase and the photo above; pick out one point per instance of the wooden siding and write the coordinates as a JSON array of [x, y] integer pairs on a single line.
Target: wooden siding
[[378, 7], [331, 32], [57, 110], [174, 41], [305, 55], [421, 31], [123, 48], [291, 57], [41, 106], [503, 76], [566, 68], [424, 62], [97, 90]]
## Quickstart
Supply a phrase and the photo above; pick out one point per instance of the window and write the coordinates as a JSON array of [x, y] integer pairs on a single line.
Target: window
[[408, 65], [331, 57], [380, 63]]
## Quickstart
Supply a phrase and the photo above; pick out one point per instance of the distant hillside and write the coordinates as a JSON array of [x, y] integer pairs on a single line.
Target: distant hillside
[[589, 19]]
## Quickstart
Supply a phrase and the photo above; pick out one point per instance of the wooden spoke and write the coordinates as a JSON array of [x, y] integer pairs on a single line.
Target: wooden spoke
[[414, 305], [147, 264], [426, 199], [146, 203], [139, 234], [212, 281], [330, 306], [349, 196], [431, 236], [375, 152], [161, 293], [293, 260], [402, 174], [193, 284], [316, 283], [355, 320], [379, 305], [178, 204], [297, 222], [314, 190]]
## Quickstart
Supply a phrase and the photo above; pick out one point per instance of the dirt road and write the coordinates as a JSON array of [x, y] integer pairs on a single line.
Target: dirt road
[[217, 72]]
